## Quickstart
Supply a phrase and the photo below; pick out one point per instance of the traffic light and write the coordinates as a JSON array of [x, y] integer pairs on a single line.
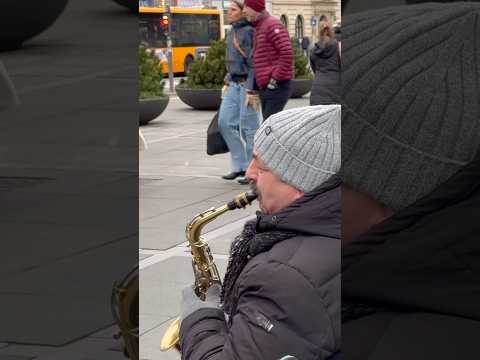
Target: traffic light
[[165, 22]]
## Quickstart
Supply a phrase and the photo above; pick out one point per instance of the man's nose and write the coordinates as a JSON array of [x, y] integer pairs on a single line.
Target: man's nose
[[251, 173]]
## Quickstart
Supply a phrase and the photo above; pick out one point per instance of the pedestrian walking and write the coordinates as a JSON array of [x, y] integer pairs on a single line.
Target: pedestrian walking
[[239, 117], [281, 292], [272, 58], [325, 63], [411, 193]]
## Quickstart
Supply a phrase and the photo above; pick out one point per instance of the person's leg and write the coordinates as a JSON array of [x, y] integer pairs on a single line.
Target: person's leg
[[249, 124], [229, 124], [267, 99], [274, 101], [264, 101]]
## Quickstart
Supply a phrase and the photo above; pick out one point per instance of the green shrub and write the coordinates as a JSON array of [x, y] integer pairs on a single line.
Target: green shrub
[[208, 72], [150, 72], [302, 68]]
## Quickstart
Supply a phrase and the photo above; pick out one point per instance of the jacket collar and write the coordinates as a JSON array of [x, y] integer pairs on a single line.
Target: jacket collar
[[240, 23], [316, 213], [263, 17]]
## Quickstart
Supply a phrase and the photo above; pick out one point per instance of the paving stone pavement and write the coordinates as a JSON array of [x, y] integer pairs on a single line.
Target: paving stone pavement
[[59, 206]]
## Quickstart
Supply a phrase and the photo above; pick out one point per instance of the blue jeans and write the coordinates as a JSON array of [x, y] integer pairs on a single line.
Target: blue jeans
[[238, 124]]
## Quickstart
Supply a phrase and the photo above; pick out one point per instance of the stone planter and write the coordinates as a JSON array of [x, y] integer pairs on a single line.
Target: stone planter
[[131, 4], [152, 108], [21, 20], [300, 87], [200, 99]]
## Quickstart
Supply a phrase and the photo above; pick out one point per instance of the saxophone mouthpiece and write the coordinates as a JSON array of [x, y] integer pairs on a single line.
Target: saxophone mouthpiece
[[251, 196], [243, 200]]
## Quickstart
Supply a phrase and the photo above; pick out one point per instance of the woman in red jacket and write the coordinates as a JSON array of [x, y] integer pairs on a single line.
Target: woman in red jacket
[[272, 57]]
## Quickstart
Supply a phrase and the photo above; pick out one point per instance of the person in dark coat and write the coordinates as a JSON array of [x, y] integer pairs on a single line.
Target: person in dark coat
[[411, 183], [325, 63], [281, 292]]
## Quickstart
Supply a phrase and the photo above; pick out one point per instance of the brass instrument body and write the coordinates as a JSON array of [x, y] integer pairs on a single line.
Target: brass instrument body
[[204, 268]]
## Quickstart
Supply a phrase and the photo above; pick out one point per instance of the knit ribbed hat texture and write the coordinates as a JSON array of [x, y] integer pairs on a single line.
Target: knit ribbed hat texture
[[257, 5], [411, 98], [302, 146]]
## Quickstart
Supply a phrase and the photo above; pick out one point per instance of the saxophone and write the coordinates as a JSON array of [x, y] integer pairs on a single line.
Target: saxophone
[[204, 268]]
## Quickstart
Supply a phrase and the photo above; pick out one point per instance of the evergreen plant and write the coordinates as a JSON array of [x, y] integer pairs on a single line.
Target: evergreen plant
[[208, 72], [150, 72]]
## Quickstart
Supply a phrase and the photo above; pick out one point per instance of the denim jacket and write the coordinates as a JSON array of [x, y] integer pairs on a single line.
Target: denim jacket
[[237, 64]]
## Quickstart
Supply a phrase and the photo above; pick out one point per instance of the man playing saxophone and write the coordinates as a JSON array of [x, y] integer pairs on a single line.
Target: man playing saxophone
[[281, 292]]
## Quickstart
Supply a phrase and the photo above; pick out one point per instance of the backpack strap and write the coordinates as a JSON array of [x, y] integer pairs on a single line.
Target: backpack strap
[[237, 45]]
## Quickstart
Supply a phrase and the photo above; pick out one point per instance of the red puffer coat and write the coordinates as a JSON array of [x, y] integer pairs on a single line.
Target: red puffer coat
[[273, 53]]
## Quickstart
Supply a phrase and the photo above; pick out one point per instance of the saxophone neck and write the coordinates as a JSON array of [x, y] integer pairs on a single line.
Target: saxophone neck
[[194, 228]]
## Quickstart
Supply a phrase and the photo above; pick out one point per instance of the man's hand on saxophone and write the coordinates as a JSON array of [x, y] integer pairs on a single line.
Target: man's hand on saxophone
[[191, 302]]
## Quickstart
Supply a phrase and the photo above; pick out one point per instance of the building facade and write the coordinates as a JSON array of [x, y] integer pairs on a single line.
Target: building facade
[[301, 17]]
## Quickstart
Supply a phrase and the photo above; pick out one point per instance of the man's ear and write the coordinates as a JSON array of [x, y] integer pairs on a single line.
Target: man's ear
[[299, 194]]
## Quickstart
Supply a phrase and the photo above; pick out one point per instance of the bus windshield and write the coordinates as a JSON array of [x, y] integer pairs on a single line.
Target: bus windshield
[[187, 30]]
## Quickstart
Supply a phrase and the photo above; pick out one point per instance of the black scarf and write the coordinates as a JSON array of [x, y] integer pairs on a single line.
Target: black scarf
[[245, 246]]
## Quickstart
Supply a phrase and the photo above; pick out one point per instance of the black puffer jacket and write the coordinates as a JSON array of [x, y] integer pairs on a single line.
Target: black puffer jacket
[[325, 63], [411, 286], [288, 297]]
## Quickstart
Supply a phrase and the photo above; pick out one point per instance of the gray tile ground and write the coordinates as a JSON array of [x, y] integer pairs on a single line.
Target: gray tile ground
[[49, 74]]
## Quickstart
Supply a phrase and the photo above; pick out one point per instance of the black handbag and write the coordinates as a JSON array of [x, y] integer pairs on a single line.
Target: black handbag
[[215, 142]]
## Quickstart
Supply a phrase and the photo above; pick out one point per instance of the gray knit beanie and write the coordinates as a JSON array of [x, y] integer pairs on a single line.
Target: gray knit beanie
[[302, 146], [411, 98]]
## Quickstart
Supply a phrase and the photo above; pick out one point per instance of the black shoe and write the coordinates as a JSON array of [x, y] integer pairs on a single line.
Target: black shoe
[[244, 181], [233, 175]]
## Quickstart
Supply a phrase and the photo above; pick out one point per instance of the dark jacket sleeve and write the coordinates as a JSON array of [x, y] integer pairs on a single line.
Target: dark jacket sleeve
[[280, 40], [279, 313], [312, 61]]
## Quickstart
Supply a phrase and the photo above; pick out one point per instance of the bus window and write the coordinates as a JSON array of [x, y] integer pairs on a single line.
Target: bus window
[[195, 29], [151, 31]]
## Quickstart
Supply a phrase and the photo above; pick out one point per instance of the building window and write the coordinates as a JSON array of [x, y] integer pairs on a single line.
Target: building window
[[299, 27], [284, 20]]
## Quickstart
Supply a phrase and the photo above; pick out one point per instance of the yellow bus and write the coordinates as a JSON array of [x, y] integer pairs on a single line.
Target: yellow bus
[[192, 32]]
